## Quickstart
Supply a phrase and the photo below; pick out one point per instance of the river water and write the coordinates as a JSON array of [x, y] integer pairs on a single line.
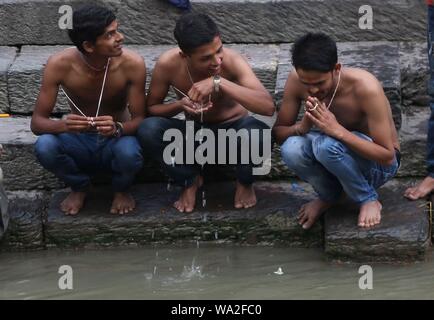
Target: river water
[[205, 272]]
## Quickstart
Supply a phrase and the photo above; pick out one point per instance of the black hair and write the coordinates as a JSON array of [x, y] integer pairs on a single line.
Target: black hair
[[88, 23], [193, 30], [315, 52]]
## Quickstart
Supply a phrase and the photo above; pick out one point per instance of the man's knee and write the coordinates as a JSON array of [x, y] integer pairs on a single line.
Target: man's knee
[[128, 154], [151, 130], [47, 149], [326, 148], [293, 152]]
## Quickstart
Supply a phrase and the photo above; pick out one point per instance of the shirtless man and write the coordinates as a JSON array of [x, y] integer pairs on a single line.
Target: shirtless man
[[102, 81], [214, 79], [426, 186], [346, 140]]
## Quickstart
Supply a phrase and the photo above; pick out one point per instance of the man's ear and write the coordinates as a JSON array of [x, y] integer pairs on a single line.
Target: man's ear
[[182, 54], [88, 47], [338, 67]]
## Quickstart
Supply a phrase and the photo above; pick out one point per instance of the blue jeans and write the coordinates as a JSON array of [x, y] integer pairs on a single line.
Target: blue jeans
[[430, 142], [150, 135], [331, 167], [74, 158]]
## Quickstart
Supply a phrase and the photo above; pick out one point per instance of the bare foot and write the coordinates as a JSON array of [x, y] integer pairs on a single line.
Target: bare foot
[[311, 211], [187, 199], [421, 190], [370, 214], [73, 203], [245, 196], [122, 203]]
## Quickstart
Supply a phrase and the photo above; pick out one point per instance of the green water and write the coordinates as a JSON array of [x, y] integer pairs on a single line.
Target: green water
[[205, 272]]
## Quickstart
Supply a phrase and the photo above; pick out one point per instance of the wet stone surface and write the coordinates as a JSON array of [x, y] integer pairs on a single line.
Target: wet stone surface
[[403, 234], [272, 222]]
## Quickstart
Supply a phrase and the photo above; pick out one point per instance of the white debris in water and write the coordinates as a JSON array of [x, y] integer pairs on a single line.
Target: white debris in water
[[155, 270], [279, 271]]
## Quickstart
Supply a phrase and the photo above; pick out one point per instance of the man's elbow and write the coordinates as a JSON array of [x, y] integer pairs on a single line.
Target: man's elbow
[[389, 159]]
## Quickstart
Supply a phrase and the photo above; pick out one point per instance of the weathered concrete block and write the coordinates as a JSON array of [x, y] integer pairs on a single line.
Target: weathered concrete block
[[25, 75], [7, 56], [379, 58], [272, 221], [413, 137], [25, 231], [240, 21], [413, 57], [403, 235]]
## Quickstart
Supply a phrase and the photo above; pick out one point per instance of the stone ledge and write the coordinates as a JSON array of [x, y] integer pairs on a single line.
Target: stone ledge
[[272, 222], [7, 56], [403, 235], [25, 74], [240, 21], [25, 231]]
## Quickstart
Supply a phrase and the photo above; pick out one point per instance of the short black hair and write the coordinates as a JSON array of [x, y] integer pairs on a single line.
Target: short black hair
[[193, 30], [88, 23], [315, 52]]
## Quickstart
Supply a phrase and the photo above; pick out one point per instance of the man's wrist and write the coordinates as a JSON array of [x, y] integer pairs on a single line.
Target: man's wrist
[[119, 129], [216, 83]]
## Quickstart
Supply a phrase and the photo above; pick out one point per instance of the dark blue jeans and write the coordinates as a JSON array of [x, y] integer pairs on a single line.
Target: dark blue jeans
[[430, 142], [74, 158], [152, 129]]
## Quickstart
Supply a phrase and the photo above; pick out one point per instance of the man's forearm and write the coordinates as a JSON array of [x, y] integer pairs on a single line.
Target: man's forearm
[[165, 110], [41, 125], [253, 100]]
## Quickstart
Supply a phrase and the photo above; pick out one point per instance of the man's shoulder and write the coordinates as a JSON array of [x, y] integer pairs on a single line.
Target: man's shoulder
[[365, 83], [62, 58], [131, 58]]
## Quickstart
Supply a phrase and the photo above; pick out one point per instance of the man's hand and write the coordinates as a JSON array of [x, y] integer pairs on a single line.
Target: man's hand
[[325, 120], [105, 125], [77, 123], [193, 108], [201, 90]]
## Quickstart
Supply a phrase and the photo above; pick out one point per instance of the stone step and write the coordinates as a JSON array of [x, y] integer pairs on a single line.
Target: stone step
[[25, 74], [27, 22], [403, 235], [389, 61], [23, 172], [272, 222]]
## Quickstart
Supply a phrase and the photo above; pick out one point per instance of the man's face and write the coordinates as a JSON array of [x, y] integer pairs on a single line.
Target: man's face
[[208, 58], [318, 84], [110, 42]]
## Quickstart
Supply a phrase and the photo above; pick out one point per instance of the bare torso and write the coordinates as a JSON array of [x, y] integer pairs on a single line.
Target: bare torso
[[224, 108], [83, 86], [346, 106]]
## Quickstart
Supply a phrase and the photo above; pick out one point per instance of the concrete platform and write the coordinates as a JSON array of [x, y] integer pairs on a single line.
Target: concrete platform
[[7, 56], [272, 222], [403, 235], [27, 22]]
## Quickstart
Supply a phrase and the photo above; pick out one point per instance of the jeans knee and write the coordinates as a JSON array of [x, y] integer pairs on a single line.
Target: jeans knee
[[292, 152], [47, 149], [128, 154], [150, 131], [326, 148]]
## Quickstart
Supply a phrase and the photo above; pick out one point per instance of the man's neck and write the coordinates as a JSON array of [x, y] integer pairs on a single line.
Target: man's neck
[[94, 62]]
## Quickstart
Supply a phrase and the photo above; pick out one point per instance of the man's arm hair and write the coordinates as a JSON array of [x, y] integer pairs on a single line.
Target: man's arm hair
[[136, 70], [287, 115], [158, 89], [247, 90], [41, 122]]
